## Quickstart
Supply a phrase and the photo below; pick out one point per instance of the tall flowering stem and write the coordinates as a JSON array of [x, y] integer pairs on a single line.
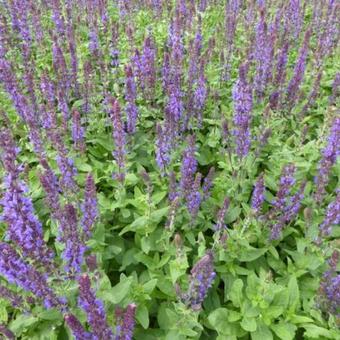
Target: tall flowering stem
[[125, 323], [189, 166], [119, 138], [94, 309], [163, 147], [77, 328], [258, 195], [71, 237], [328, 159], [298, 73], [19, 272], [24, 228], [89, 207], [243, 103], [201, 279], [130, 96], [332, 216]]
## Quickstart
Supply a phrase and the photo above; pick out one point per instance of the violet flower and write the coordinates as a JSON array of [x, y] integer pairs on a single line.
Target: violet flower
[[19, 272], [243, 103], [77, 329], [78, 131], [130, 97], [298, 73], [194, 197], [70, 236], [201, 279], [189, 166], [118, 134], [329, 157], [24, 228], [332, 216], [94, 309], [126, 323], [89, 207], [258, 195], [208, 183], [163, 148], [220, 225]]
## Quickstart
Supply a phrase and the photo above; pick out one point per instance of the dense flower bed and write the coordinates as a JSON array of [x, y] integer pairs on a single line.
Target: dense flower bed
[[169, 169]]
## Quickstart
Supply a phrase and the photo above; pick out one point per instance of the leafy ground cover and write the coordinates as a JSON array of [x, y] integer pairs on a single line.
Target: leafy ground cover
[[169, 169]]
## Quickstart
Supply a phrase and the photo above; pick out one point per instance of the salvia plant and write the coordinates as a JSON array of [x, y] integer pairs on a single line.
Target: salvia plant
[[169, 169]]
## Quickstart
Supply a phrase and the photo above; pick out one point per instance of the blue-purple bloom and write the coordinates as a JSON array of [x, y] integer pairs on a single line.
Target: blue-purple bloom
[[19, 272], [118, 134], [258, 195], [220, 224], [189, 166], [208, 183], [78, 131], [68, 172], [329, 157], [70, 236], [163, 147], [201, 279], [94, 309], [77, 328], [243, 103], [194, 197], [299, 71], [89, 207], [125, 323], [332, 216], [130, 96], [24, 228]]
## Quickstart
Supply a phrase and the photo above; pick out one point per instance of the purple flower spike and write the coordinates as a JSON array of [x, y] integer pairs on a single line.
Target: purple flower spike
[[77, 131], [94, 309], [243, 103], [220, 224], [329, 157], [89, 207], [24, 228], [163, 148], [332, 216], [74, 247], [118, 134], [208, 183], [126, 323], [189, 166], [130, 96], [201, 279], [77, 329], [18, 272], [258, 195], [299, 71], [194, 197]]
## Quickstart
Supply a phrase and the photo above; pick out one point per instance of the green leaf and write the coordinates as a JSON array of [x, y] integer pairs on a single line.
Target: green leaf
[[251, 254], [142, 315], [294, 294], [300, 319], [120, 290], [235, 294], [315, 332], [3, 313], [262, 333], [249, 324], [150, 286], [284, 331], [219, 319]]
